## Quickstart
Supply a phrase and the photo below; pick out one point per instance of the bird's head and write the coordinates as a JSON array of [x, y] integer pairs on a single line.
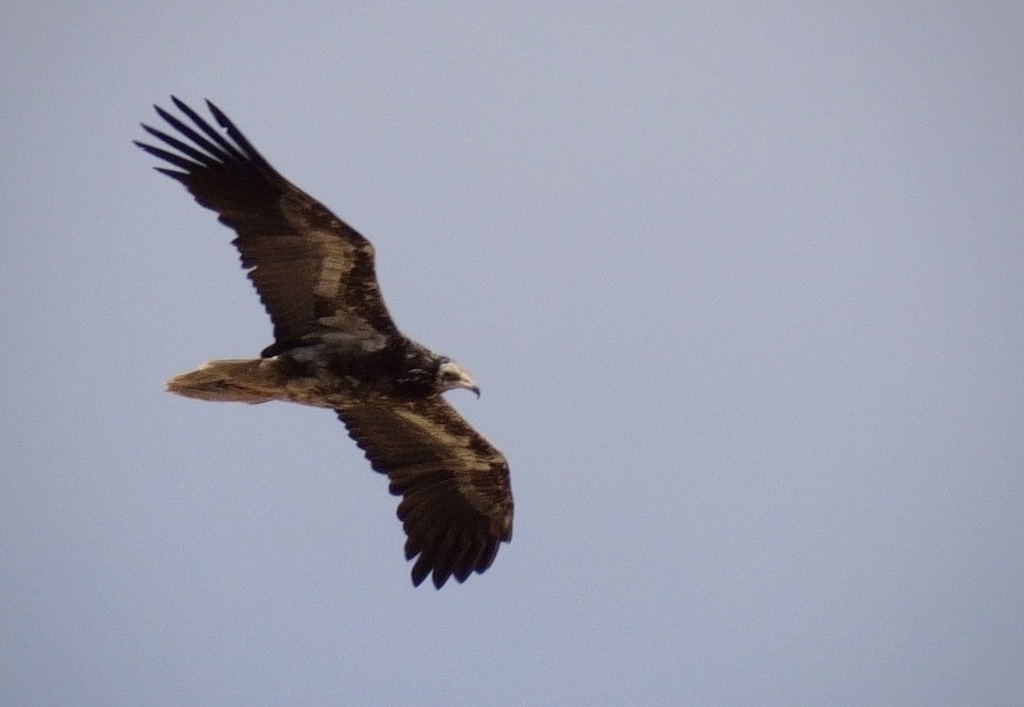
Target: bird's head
[[451, 375]]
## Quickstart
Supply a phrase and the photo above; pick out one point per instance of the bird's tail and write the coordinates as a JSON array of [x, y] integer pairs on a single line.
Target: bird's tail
[[238, 381]]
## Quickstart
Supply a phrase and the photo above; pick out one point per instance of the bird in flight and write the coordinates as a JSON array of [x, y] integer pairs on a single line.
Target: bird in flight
[[335, 346]]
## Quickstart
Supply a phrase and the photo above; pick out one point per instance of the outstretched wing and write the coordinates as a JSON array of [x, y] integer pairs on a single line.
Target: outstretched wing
[[457, 502], [313, 272]]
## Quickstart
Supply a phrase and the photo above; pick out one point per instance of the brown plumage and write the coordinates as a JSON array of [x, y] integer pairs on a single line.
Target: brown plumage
[[336, 346]]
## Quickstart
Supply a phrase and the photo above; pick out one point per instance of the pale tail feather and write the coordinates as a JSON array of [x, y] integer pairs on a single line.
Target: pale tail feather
[[239, 381]]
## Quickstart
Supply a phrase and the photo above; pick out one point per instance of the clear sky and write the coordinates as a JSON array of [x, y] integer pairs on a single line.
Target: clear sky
[[742, 284]]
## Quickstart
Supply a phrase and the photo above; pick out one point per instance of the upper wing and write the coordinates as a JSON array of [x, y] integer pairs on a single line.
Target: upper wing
[[312, 271], [457, 502]]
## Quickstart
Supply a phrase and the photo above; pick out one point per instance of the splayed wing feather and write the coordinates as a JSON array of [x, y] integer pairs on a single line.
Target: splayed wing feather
[[457, 504], [313, 272]]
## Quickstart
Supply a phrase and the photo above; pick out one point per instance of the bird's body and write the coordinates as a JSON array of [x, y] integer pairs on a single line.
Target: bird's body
[[337, 347]]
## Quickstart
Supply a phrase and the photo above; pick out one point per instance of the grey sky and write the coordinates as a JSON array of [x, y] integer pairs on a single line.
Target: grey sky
[[742, 287]]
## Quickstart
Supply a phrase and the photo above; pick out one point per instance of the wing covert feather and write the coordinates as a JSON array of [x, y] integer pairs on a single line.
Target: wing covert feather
[[456, 504], [313, 271]]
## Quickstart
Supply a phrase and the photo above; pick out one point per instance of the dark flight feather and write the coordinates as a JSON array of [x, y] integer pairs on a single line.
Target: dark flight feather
[[313, 272], [456, 505]]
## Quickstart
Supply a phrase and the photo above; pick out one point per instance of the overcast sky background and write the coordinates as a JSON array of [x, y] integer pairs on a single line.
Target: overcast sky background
[[741, 283]]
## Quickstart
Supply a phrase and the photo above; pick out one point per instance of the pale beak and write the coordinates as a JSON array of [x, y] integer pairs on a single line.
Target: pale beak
[[461, 379], [469, 384]]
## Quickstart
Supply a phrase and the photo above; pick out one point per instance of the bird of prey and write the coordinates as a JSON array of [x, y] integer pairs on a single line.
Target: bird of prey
[[335, 346]]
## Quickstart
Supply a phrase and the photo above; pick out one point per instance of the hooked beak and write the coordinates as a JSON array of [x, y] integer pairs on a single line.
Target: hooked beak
[[469, 384], [460, 379]]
